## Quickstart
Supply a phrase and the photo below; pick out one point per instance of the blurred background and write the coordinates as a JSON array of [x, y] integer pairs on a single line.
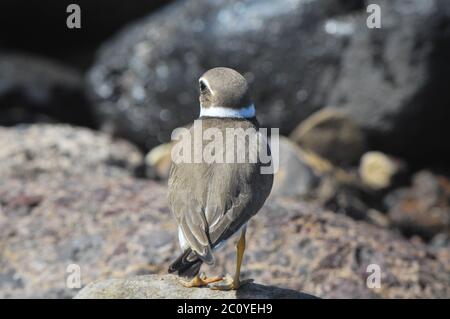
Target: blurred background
[[86, 116]]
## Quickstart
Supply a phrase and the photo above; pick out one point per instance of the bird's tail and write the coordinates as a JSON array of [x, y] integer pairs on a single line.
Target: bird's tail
[[185, 267]]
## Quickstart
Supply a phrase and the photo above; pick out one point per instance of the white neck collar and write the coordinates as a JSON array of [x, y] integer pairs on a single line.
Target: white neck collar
[[220, 111]]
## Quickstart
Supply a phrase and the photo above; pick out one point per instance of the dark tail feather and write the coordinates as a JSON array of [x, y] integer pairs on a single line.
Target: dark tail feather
[[184, 267]]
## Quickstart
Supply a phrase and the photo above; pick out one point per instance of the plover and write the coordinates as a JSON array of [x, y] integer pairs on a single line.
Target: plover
[[213, 201]]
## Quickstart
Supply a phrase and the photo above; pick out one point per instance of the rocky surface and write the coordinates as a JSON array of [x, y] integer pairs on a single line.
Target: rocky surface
[[28, 151], [34, 90], [169, 287], [116, 227]]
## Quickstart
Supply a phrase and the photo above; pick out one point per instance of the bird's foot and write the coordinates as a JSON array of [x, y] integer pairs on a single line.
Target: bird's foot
[[200, 281], [229, 283]]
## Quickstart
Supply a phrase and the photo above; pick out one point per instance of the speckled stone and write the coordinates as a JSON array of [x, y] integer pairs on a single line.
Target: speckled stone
[[169, 287], [30, 150], [117, 227]]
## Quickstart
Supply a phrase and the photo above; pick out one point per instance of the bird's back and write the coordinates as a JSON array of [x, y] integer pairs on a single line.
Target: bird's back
[[218, 198]]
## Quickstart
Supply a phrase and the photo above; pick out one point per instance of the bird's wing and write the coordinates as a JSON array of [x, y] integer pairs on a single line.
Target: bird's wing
[[187, 204], [211, 207], [230, 204], [236, 192]]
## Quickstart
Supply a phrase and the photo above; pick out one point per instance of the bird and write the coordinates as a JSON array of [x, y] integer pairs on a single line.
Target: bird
[[213, 201]]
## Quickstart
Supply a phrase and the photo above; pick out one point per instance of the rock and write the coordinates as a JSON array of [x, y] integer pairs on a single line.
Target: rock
[[42, 28], [97, 222], [441, 240], [378, 170], [117, 227], [340, 190], [333, 135], [144, 82], [158, 161], [169, 287], [294, 177], [392, 79], [37, 90], [343, 197], [28, 151], [423, 208]]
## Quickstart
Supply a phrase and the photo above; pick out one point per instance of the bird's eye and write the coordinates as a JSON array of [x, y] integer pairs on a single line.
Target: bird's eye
[[203, 87]]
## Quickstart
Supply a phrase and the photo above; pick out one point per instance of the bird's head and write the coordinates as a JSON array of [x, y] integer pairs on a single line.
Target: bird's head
[[224, 92]]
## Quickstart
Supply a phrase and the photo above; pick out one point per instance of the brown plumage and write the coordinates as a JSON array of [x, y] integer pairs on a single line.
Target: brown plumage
[[212, 201]]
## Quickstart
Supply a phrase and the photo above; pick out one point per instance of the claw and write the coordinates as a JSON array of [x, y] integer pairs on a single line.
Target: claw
[[200, 281], [228, 283]]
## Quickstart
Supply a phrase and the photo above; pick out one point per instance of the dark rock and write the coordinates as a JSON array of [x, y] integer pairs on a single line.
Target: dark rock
[[423, 208], [145, 80], [28, 151], [333, 135], [37, 90], [344, 197], [169, 287], [441, 240], [393, 79], [40, 26], [119, 227], [294, 177]]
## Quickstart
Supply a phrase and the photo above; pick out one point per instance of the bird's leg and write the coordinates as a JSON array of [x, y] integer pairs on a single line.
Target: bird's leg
[[233, 283], [200, 281], [240, 248]]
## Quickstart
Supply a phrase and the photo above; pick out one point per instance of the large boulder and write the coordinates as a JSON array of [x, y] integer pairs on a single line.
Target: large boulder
[[31, 150], [393, 80], [169, 287], [145, 80], [299, 56], [34, 90]]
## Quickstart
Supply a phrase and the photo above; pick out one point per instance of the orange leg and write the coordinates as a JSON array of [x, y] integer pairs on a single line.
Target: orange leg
[[233, 283]]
